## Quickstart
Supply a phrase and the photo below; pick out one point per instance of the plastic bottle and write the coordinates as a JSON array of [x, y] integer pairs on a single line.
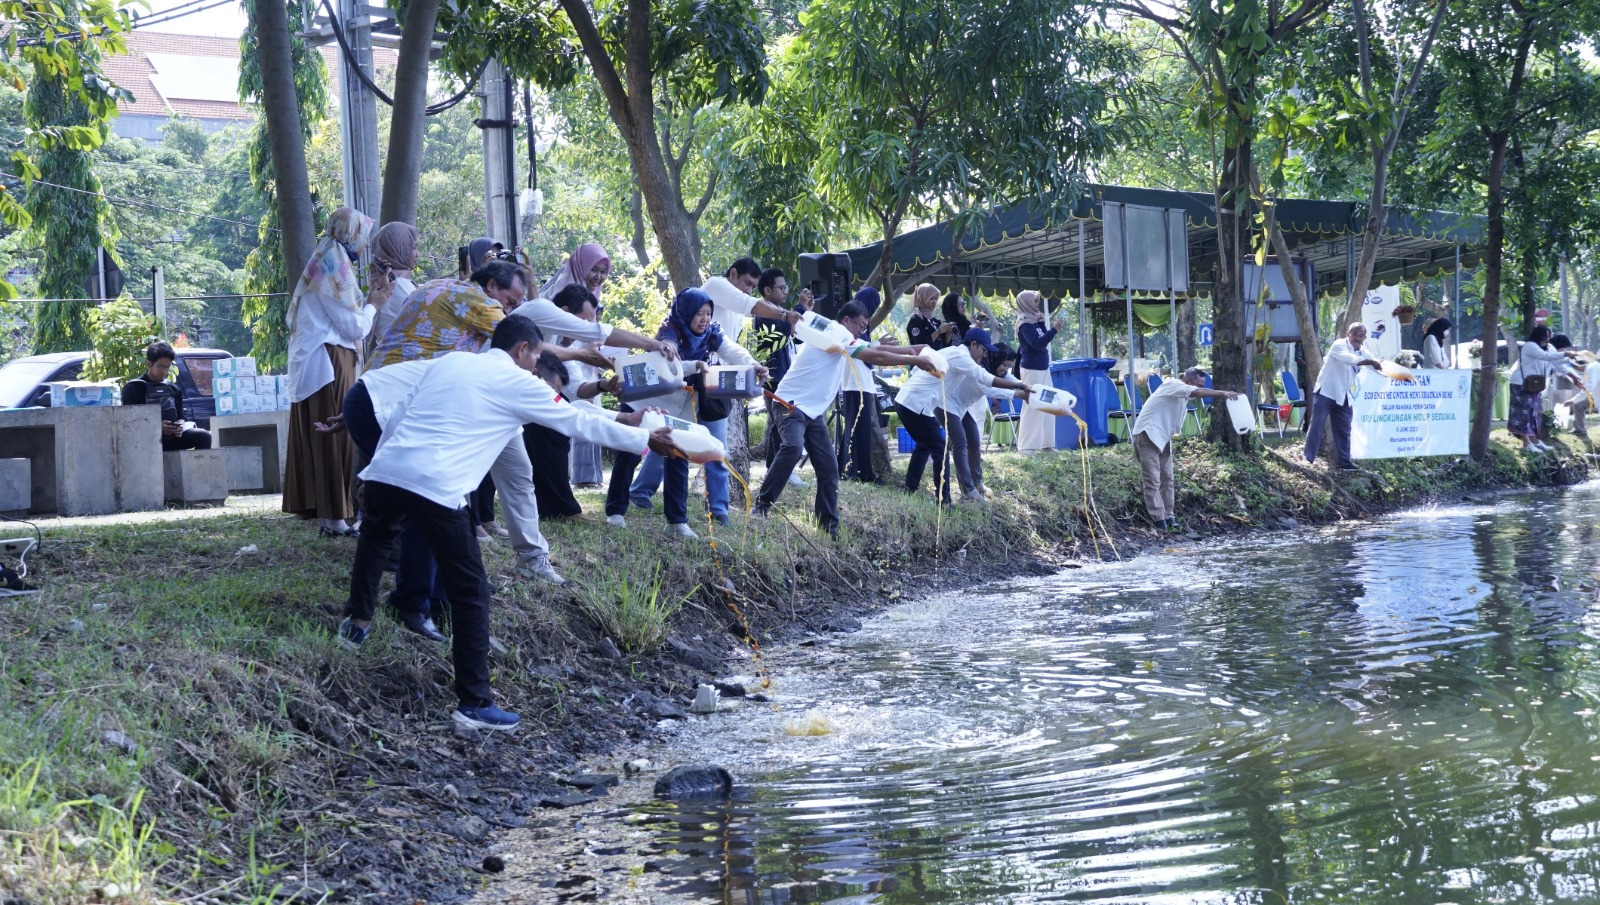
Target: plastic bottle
[[732, 382], [693, 440], [1242, 413], [815, 330], [941, 365], [648, 374], [1394, 372], [1051, 400]]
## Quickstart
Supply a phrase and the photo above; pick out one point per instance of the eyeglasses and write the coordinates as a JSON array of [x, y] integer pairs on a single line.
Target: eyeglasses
[[502, 255]]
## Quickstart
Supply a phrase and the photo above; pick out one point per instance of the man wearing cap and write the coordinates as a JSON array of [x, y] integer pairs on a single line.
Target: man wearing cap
[[1160, 419], [933, 404], [1332, 396]]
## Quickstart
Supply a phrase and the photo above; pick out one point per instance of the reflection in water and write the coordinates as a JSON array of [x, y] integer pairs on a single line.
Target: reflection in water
[[1401, 711]]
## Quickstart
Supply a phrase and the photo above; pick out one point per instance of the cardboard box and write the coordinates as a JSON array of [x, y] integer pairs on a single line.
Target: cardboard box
[[227, 405], [284, 402], [269, 384], [222, 386], [244, 367], [244, 385], [77, 393], [249, 405], [223, 367]]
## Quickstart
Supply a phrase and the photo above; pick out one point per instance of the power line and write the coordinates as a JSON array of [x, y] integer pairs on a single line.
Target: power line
[[166, 15], [170, 298], [169, 14], [115, 200]]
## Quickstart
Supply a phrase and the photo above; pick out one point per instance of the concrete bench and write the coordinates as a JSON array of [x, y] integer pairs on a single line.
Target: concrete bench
[[195, 476], [244, 469], [90, 460], [16, 485], [266, 431]]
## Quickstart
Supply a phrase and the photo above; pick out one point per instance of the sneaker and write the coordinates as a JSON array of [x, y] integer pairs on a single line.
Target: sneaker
[[639, 502], [720, 518], [616, 521], [1173, 527], [984, 489], [490, 717], [12, 585], [682, 530], [794, 480], [350, 636], [973, 496], [419, 624], [540, 568], [495, 530]]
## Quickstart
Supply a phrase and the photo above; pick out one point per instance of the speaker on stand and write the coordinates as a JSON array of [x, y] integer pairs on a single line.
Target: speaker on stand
[[828, 276]]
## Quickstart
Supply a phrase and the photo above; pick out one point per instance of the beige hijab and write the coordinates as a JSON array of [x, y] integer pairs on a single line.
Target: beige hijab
[[329, 272], [1030, 310]]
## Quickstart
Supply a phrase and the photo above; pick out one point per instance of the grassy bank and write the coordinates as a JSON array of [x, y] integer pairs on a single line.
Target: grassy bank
[[177, 723]]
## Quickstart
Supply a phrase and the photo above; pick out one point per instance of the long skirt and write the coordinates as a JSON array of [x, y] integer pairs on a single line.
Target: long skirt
[[316, 480], [1524, 420], [1036, 431]]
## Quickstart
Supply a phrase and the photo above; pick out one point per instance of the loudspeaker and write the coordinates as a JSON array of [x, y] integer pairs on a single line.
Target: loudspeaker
[[828, 277]]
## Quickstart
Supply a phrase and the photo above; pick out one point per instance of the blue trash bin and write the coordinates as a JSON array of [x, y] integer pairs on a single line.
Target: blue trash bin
[[1086, 379]]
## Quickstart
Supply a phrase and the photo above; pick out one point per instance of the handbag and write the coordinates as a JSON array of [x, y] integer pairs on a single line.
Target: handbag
[[706, 408], [1533, 385]]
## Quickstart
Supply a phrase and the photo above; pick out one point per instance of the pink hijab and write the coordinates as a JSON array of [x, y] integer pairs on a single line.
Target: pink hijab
[[576, 268]]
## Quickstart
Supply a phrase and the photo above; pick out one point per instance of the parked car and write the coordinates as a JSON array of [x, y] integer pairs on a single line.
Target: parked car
[[22, 382]]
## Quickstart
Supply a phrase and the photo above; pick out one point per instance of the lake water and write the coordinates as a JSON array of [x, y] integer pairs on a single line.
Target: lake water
[[1396, 711]]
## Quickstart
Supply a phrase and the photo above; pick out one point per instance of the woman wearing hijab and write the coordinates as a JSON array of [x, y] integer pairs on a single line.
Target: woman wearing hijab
[[588, 267], [327, 318], [690, 327], [924, 327], [1433, 340], [1036, 431], [955, 324], [1536, 364], [394, 256]]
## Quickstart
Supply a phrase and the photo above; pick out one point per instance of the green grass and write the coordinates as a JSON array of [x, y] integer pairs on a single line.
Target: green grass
[[260, 751]]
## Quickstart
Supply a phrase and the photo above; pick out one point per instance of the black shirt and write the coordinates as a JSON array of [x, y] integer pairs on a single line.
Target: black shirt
[[142, 390]]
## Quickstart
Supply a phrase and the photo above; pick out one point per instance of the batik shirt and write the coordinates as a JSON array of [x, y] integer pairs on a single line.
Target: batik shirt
[[441, 316]]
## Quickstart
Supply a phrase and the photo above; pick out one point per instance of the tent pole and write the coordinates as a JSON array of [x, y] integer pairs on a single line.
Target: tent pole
[[1455, 312], [1127, 284], [1083, 305], [1172, 297]]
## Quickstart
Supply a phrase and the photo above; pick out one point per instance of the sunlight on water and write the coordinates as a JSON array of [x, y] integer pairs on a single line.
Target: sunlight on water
[[1399, 711]]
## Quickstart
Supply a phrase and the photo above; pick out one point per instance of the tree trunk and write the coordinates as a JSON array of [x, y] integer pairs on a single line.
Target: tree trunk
[[1188, 355], [282, 112], [739, 450], [641, 250], [1529, 287], [403, 169], [1494, 251], [1229, 351], [1310, 344]]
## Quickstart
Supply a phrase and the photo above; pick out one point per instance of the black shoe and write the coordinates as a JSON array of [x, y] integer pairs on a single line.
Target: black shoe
[[12, 585], [419, 624], [352, 636]]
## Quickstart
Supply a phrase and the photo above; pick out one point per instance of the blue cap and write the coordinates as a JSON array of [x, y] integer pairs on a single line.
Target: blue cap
[[981, 337]]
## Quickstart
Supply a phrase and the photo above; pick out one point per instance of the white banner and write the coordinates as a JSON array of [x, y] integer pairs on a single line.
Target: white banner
[[1394, 418], [1383, 330]]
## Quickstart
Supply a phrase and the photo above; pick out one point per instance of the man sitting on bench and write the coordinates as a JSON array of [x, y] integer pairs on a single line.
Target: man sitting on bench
[[152, 388]]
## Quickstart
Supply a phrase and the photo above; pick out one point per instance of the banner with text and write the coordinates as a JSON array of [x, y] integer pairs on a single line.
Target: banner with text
[[1394, 419]]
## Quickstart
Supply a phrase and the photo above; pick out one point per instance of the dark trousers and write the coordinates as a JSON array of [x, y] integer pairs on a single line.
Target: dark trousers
[[450, 538], [481, 502], [965, 442], [1323, 408], [774, 413], [193, 438], [674, 487], [416, 586], [924, 429], [860, 414], [801, 433], [550, 452]]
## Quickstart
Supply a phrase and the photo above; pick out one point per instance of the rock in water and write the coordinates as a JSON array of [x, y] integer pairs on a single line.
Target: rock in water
[[687, 783]]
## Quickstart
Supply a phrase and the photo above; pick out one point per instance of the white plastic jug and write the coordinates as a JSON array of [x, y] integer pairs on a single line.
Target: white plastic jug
[[693, 440], [1395, 372], [647, 374], [941, 365], [1242, 413], [732, 382], [1050, 400], [815, 330]]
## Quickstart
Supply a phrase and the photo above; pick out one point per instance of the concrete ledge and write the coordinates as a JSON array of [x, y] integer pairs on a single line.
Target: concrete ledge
[[88, 461], [266, 431], [16, 485], [244, 468], [196, 476]]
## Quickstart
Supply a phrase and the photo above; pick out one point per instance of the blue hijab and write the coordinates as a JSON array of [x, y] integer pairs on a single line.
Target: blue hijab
[[693, 346]]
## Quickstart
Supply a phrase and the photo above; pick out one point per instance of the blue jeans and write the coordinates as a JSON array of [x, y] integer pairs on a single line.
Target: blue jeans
[[649, 478]]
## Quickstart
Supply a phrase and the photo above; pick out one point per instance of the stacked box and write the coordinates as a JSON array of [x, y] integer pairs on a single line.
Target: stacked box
[[239, 390]]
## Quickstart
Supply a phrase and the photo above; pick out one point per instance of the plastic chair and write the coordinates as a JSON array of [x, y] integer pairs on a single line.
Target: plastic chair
[[1262, 410], [1010, 414], [1297, 399], [1126, 416]]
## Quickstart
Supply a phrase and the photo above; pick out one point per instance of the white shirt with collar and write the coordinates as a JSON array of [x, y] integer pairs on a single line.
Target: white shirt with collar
[[322, 320], [556, 323], [729, 306], [442, 440], [1163, 412], [816, 376], [1339, 369], [964, 384], [390, 387]]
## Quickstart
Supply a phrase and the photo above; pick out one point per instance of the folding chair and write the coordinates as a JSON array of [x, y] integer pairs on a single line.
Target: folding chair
[[1011, 414], [1126, 416], [1297, 399]]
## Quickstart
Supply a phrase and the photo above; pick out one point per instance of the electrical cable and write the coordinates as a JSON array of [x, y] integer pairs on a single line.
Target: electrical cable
[[38, 543], [167, 15], [115, 200], [170, 298], [379, 93]]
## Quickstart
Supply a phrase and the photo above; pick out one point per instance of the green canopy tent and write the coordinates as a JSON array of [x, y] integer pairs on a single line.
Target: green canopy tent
[[1021, 247]]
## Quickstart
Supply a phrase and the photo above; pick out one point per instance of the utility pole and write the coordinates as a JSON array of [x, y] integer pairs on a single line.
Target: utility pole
[[358, 110], [158, 288], [1566, 302], [497, 120]]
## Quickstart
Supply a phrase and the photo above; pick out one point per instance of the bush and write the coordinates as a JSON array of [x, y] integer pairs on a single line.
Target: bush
[[120, 331], [630, 610]]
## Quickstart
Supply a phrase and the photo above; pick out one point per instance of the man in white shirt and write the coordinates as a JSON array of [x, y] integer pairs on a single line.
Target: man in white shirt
[[1160, 419], [1332, 396], [804, 396], [434, 451], [732, 302]]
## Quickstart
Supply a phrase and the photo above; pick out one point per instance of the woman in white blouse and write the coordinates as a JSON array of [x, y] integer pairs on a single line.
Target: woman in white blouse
[[1433, 343], [327, 318], [1536, 363]]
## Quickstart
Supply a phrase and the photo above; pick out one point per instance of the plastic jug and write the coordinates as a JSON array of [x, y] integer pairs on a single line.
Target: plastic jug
[[941, 365], [1242, 413], [1395, 372], [693, 440], [648, 374], [732, 382], [815, 330], [1050, 400]]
